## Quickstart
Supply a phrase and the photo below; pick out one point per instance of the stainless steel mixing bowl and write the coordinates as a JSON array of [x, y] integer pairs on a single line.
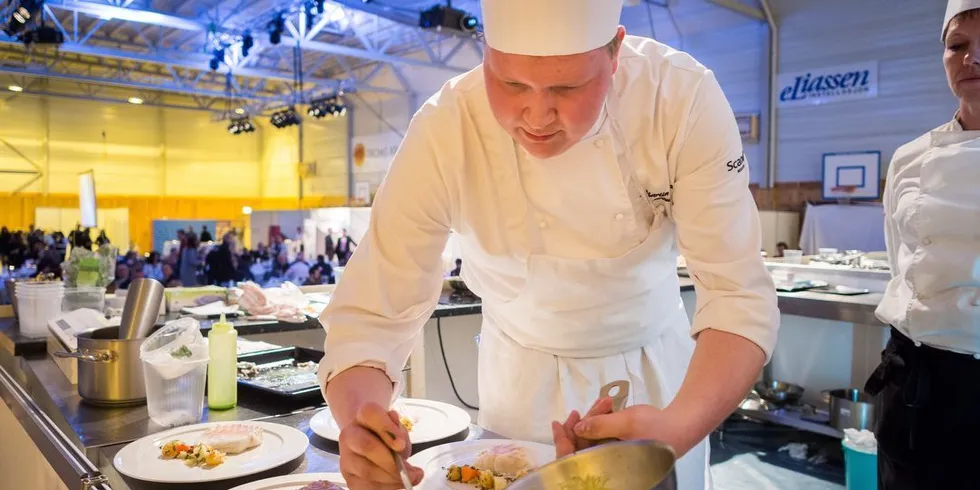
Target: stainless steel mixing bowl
[[624, 465]]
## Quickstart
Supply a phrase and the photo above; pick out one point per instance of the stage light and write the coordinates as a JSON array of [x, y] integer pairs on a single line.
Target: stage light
[[275, 27], [284, 118], [247, 42], [241, 125], [446, 17], [135, 100], [15, 88]]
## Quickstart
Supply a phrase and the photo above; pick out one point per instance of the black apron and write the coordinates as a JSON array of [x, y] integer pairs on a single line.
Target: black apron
[[928, 417]]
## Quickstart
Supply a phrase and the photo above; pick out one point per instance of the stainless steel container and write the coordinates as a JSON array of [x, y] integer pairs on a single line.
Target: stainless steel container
[[110, 372], [142, 308], [10, 285], [622, 465], [851, 409]]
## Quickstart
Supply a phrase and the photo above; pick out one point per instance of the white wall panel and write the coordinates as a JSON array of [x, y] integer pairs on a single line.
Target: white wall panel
[[903, 36]]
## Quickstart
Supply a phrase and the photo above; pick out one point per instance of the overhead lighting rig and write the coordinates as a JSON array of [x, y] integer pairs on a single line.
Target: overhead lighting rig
[[284, 118], [275, 28], [441, 17], [240, 125], [227, 47], [26, 23], [332, 106]]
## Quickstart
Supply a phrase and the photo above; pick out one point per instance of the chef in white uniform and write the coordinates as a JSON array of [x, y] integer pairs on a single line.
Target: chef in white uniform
[[574, 163], [928, 383]]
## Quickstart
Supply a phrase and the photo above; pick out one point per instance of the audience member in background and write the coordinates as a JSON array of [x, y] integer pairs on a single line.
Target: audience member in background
[[131, 258], [122, 279], [298, 271], [326, 270], [345, 248], [182, 238], [16, 250], [243, 272], [102, 239], [4, 243], [134, 274], [49, 263], [170, 278], [174, 258], [261, 252], [189, 261], [221, 262], [315, 278], [328, 241], [781, 249], [280, 266], [278, 247], [60, 245], [206, 235], [37, 249], [458, 269], [153, 268]]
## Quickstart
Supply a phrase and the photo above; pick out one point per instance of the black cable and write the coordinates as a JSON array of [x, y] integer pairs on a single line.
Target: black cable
[[448, 372]]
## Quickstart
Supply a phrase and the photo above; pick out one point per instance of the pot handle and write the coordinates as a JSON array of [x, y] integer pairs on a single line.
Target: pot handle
[[92, 355]]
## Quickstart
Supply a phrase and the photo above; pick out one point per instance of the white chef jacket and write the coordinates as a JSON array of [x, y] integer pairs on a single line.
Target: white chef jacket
[[933, 244], [675, 117]]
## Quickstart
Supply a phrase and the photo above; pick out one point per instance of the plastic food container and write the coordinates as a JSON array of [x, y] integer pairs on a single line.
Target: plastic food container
[[83, 297], [793, 256], [37, 304], [175, 366]]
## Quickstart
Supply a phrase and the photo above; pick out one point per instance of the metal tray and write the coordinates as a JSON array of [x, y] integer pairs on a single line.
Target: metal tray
[[306, 391]]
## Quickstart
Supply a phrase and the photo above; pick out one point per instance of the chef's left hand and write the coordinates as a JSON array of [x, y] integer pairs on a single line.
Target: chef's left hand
[[566, 442], [636, 422]]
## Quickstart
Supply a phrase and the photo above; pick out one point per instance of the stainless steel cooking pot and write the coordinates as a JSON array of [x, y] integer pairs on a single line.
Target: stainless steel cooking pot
[[621, 465], [851, 409], [110, 372]]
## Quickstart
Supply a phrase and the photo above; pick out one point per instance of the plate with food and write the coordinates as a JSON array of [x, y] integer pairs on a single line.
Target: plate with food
[[304, 481], [210, 452], [485, 464], [425, 420]]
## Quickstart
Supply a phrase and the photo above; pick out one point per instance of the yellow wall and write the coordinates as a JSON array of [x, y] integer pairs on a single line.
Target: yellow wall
[[152, 151], [161, 162]]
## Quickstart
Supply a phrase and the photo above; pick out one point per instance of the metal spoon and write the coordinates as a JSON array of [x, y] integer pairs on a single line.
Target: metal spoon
[[622, 388], [400, 464]]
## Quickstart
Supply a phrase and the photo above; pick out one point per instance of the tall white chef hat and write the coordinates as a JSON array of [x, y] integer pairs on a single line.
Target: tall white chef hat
[[550, 27], [954, 8]]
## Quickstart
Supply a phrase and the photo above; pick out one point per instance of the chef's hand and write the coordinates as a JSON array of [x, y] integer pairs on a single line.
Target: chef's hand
[[638, 422], [365, 450], [566, 441]]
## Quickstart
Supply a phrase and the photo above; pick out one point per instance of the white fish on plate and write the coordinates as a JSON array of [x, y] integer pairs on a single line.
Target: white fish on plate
[[233, 438], [507, 460]]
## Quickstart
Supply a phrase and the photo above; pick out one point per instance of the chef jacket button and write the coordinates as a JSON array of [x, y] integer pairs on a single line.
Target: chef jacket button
[[598, 143], [976, 356], [917, 343], [926, 241], [619, 216]]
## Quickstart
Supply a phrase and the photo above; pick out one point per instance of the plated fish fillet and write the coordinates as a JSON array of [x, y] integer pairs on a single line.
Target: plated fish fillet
[[233, 438]]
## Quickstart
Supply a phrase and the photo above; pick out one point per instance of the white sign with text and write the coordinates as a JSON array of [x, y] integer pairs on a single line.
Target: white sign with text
[[826, 85]]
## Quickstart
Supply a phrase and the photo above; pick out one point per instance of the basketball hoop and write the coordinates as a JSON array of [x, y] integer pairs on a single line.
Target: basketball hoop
[[844, 193]]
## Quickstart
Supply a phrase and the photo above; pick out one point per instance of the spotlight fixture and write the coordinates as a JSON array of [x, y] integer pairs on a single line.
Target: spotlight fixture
[[284, 118], [15, 88], [440, 17], [240, 125], [240, 111], [217, 58], [321, 108], [135, 100], [24, 12], [247, 42], [275, 28]]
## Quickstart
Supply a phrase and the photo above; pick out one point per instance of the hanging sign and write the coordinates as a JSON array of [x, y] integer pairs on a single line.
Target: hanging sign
[[826, 85]]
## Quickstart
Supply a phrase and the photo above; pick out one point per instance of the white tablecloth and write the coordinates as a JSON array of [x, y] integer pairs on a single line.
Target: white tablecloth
[[844, 227]]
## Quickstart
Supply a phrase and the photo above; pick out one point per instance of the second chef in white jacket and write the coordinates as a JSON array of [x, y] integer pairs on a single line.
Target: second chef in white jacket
[[574, 163]]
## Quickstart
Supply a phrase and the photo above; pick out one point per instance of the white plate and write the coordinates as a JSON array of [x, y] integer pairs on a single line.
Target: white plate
[[432, 421], [293, 482], [434, 461], [141, 459]]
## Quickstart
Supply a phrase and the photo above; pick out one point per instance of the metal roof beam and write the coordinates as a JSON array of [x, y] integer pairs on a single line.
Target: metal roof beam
[[151, 17]]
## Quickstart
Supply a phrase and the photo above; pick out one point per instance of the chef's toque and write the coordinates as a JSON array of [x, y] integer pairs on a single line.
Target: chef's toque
[[954, 8], [550, 27]]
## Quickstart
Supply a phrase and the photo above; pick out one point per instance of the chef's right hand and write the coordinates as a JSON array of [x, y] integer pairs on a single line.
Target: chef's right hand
[[365, 450]]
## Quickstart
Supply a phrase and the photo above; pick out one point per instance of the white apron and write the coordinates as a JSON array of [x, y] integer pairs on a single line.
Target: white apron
[[945, 220], [580, 323]]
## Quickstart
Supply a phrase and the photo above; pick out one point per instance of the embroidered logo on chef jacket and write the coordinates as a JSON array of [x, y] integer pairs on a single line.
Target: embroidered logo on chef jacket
[[737, 165], [660, 196]]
